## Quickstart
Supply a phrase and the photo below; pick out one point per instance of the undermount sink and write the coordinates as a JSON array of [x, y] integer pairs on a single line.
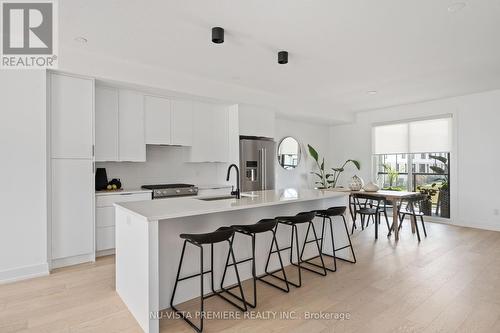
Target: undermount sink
[[226, 197]]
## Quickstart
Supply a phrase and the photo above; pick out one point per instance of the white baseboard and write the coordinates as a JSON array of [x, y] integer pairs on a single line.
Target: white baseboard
[[478, 226], [451, 222], [104, 253], [70, 261], [23, 273]]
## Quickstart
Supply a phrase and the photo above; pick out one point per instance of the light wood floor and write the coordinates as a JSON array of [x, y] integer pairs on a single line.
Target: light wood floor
[[450, 282]]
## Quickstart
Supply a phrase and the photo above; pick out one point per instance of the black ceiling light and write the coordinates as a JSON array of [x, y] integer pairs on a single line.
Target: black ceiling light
[[282, 57], [217, 35]]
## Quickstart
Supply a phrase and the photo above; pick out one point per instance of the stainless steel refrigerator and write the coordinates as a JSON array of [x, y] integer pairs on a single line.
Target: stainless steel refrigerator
[[257, 158]]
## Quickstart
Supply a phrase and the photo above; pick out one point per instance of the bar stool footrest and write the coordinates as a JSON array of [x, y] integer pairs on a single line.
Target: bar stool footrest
[[306, 261]]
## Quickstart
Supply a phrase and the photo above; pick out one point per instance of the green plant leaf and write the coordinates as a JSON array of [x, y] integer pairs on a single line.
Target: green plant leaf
[[313, 152], [437, 169], [356, 163], [322, 167], [338, 169], [442, 159]]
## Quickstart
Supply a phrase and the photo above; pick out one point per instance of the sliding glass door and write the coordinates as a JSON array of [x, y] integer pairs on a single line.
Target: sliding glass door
[[415, 156]]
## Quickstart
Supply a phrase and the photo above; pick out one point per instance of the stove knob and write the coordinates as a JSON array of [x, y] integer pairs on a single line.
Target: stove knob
[[177, 191], [190, 190]]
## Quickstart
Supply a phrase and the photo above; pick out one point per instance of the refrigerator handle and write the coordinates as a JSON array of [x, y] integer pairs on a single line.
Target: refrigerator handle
[[261, 161], [264, 166]]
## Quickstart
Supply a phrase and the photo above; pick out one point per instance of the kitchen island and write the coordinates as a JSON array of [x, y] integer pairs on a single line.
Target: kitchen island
[[148, 246]]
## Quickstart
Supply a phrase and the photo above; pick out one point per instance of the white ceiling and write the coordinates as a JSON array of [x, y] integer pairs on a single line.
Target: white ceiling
[[408, 51]]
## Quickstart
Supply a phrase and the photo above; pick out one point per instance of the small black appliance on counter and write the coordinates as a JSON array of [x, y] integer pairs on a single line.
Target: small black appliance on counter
[[101, 179]]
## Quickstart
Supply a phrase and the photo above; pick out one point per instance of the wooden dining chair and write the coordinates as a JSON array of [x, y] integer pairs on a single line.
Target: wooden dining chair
[[413, 209]]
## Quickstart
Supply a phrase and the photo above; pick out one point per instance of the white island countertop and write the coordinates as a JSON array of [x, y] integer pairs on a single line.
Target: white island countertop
[[162, 209]]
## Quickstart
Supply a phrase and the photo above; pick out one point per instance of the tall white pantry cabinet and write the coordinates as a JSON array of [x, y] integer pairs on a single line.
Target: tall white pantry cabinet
[[71, 164]]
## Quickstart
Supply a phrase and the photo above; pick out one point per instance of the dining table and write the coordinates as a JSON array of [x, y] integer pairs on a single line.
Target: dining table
[[394, 198]]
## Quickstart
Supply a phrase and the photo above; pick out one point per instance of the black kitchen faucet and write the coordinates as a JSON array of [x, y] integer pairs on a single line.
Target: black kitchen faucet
[[233, 192]]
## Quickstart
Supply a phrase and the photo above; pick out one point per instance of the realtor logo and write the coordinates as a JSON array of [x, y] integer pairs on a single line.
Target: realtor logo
[[29, 34]]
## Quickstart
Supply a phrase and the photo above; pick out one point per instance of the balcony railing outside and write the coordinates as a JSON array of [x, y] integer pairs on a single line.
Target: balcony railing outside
[[439, 201]]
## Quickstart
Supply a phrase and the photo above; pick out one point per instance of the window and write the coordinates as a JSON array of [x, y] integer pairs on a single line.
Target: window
[[426, 146]]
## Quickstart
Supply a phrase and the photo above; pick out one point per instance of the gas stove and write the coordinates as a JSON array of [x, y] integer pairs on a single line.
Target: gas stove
[[171, 190]]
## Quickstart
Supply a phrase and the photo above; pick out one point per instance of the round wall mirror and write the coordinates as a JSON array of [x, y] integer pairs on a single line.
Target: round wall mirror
[[289, 153]]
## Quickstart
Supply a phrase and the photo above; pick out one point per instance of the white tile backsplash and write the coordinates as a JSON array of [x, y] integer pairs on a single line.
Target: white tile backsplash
[[165, 164]]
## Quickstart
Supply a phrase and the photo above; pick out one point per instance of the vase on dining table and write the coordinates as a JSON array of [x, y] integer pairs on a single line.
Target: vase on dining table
[[356, 183], [371, 187]]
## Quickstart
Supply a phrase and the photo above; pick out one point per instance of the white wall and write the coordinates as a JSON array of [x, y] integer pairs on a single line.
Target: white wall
[[475, 159], [305, 133], [23, 195], [165, 164]]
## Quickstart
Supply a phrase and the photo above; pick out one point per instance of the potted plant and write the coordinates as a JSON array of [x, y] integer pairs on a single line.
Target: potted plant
[[426, 205], [392, 175], [328, 180], [323, 177], [338, 171], [444, 189]]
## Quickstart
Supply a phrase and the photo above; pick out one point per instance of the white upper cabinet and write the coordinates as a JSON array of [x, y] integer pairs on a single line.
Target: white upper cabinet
[[256, 121], [106, 124], [182, 122], [119, 125], [215, 133], [132, 146], [158, 120], [72, 108], [168, 122], [202, 133], [220, 139], [233, 135]]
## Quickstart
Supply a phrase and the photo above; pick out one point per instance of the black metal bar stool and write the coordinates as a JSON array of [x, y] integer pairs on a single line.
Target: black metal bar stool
[[293, 221], [220, 235], [265, 225], [329, 214]]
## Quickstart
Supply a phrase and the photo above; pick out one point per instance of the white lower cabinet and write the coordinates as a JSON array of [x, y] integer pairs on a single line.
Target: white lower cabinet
[[105, 218], [105, 239], [72, 211]]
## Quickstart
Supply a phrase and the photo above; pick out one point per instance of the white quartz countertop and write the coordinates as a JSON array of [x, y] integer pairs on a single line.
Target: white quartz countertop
[[190, 206], [124, 191]]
